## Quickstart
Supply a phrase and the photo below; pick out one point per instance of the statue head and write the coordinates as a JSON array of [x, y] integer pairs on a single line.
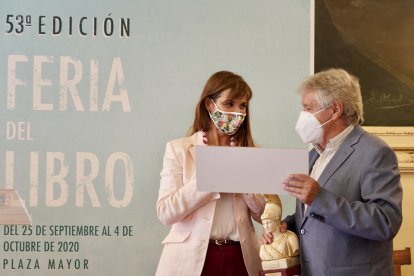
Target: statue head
[[272, 213]]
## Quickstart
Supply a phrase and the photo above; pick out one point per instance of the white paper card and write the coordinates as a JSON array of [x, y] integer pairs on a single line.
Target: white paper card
[[247, 170]]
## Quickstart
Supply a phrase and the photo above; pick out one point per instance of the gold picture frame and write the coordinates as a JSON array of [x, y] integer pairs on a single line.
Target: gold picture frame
[[371, 40], [333, 46], [401, 140]]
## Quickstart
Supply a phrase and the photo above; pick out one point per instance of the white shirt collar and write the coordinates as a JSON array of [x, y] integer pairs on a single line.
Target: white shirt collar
[[336, 141]]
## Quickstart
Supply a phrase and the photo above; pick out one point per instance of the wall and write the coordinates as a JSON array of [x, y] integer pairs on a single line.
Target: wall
[[94, 105], [405, 236]]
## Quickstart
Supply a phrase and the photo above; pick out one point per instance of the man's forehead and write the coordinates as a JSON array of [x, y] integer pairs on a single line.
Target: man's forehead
[[309, 99]]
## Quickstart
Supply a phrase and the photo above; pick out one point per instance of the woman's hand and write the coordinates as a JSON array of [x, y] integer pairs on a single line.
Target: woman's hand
[[267, 238]]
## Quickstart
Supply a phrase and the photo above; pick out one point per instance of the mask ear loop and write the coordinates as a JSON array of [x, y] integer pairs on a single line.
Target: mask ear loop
[[209, 113], [215, 109], [228, 112], [320, 111], [325, 123]]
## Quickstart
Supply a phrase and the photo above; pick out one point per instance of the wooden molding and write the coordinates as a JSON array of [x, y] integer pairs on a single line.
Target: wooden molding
[[401, 140]]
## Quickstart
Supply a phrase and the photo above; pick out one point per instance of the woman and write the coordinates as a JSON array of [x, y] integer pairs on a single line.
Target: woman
[[211, 233]]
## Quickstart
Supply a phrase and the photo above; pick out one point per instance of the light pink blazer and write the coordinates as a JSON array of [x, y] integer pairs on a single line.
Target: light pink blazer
[[190, 214]]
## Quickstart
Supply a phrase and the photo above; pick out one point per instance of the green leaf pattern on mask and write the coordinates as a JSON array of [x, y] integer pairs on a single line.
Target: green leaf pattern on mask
[[227, 123]]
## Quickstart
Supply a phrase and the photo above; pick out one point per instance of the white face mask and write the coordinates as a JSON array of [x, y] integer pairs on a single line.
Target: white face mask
[[308, 127]]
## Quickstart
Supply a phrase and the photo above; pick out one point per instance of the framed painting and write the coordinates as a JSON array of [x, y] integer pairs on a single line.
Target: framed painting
[[372, 39]]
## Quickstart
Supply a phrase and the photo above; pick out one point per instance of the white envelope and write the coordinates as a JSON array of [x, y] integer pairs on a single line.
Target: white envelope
[[247, 170]]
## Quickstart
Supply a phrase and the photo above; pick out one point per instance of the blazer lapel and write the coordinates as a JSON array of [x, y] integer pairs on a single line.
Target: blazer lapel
[[195, 140], [344, 151], [313, 156]]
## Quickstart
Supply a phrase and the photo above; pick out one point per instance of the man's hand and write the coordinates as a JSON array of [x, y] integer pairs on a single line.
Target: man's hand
[[302, 186], [283, 227]]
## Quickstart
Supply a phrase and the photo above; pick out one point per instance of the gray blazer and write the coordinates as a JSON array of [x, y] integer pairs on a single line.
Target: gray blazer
[[349, 227]]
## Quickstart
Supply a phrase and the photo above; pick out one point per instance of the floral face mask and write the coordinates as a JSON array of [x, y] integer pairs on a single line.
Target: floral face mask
[[227, 122]]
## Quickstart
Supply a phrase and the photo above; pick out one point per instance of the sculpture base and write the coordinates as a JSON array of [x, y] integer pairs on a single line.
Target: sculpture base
[[290, 271], [280, 263]]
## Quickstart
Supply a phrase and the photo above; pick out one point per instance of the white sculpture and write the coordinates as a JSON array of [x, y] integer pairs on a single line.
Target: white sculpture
[[283, 252]]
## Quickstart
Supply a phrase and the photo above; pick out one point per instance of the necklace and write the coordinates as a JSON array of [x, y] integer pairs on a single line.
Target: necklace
[[205, 139]]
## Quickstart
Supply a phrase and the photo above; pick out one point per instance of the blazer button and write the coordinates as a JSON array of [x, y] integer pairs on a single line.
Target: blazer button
[[302, 231], [241, 220]]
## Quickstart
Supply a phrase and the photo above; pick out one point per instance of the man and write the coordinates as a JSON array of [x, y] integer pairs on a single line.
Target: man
[[349, 209]]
